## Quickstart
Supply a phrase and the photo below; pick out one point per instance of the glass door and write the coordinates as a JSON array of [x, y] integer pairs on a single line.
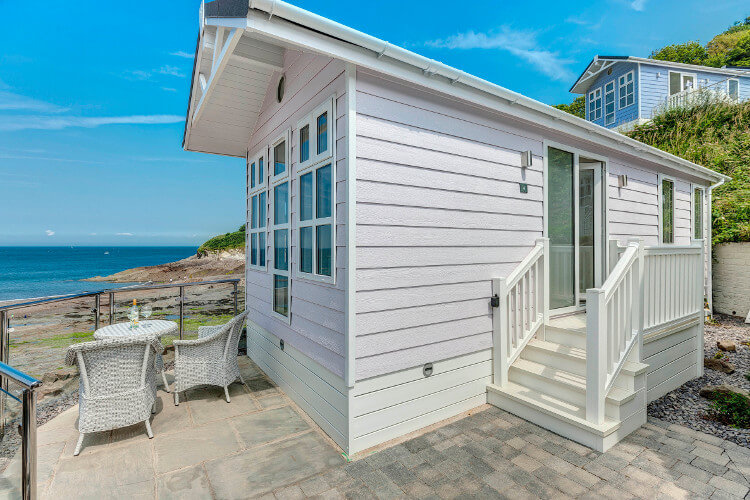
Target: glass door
[[575, 228]]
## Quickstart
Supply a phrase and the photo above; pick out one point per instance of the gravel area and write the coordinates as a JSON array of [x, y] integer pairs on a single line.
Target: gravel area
[[684, 406]]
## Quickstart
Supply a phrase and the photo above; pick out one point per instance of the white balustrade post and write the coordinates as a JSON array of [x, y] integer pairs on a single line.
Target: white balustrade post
[[638, 298], [596, 354], [545, 292], [700, 271], [614, 254], [500, 334]]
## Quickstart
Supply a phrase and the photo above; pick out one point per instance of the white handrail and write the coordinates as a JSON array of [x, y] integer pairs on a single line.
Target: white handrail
[[613, 327], [523, 308]]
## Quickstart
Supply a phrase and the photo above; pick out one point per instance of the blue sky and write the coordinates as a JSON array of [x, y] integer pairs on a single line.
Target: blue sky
[[93, 96]]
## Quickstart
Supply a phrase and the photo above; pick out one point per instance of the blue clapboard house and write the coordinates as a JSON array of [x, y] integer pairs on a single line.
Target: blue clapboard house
[[622, 91]]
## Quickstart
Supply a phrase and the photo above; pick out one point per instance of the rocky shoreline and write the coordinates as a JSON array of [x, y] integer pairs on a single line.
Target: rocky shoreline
[[194, 268]]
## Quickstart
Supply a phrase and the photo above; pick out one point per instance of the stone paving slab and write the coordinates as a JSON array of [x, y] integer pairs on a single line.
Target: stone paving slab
[[262, 446]]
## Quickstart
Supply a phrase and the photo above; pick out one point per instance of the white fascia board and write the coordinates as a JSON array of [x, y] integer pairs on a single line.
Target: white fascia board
[[465, 87], [217, 66], [692, 67]]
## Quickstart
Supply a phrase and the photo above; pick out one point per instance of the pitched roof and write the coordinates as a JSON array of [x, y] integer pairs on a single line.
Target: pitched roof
[[290, 25], [600, 63]]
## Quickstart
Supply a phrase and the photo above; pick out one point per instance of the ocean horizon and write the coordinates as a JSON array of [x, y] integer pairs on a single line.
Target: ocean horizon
[[41, 271]]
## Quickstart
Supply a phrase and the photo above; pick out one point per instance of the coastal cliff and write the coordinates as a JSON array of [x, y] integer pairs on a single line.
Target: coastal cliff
[[219, 264]]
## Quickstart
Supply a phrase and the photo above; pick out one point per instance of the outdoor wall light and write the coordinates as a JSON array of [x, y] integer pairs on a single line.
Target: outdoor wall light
[[281, 344], [427, 369], [526, 159], [622, 180]]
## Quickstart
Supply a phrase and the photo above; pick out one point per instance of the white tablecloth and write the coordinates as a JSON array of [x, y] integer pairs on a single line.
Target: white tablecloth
[[156, 327]]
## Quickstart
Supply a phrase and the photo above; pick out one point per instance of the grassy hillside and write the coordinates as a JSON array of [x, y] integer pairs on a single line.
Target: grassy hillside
[[226, 241], [716, 136]]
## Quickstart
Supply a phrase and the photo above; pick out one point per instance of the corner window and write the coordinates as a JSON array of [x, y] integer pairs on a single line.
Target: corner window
[[595, 105], [626, 90], [733, 89], [314, 135], [609, 103], [667, 211], [315, 199], [698, 213], [257, 209], [280, 228]]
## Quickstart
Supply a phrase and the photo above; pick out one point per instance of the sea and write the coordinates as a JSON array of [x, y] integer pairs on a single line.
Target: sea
[[31, 272]]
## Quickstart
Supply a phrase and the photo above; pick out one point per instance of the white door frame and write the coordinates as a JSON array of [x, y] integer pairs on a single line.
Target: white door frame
[[603, 209]]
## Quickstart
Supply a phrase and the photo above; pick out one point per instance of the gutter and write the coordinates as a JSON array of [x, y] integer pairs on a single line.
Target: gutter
[[430, 67]]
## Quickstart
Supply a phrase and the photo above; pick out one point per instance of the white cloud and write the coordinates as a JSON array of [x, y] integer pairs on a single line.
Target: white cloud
[[123, 234], [183, 54], [638, 5], [92, 234], [519, 43], [49, 232], [10, 123], [137, 74], [171, 71], [12, 101], [169, 89]]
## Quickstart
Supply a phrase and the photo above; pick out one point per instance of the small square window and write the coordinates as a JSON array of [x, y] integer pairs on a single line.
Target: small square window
[[279, 158], [322, 124]]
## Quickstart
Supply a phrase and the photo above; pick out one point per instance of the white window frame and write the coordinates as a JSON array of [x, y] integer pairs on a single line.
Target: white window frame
[[596, 100], [737, 80], [285, 136], [260, 187], [315, 162], [693, 188], [311, 121], [661, 178], [628, 95], [273, 227], [682, 83], [614, 102]]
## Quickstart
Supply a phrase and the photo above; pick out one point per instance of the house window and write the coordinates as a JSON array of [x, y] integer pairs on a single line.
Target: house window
[[627, 90], [280, 228], [680, 81], [315, 139], [595, 105], [667, 211], [609, 103], [733, 89], [315, 195], [698, 213], [256, 223]]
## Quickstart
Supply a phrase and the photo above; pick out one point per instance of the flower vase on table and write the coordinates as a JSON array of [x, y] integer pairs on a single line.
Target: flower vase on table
[[133, 315]]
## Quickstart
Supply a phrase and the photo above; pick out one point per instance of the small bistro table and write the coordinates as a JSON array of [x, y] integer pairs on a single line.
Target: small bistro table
[[155, 327], [158, 327]]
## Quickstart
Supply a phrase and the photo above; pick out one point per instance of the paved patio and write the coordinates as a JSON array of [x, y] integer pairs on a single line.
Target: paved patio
[[262, 445]]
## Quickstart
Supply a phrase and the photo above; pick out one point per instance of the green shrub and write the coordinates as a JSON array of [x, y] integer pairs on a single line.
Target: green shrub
[[718, 355], [731, 409]]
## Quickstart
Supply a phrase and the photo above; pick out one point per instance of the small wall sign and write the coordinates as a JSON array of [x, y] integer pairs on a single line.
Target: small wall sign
[[523, 187]]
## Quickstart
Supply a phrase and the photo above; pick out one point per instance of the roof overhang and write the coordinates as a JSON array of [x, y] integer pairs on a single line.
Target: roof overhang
[[280, 24], [592, 71]]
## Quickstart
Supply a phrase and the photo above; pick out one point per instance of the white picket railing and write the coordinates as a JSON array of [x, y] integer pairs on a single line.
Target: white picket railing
[[613, 327], [673, 283], [523, 308]]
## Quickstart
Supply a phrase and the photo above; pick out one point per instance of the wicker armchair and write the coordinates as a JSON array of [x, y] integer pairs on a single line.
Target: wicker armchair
[[117, 386], [209, 360]]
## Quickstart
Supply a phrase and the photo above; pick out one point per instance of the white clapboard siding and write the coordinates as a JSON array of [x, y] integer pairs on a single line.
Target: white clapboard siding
[[322, 395], [391, 405], [673, 358], [317, 326]]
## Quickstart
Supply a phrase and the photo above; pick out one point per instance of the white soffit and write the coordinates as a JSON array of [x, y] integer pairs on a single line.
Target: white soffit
[[229, 87]]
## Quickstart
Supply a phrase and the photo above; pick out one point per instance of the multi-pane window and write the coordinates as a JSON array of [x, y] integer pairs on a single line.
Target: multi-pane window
[[627, 90], [595, 105], [609, 103], [280, 227], [257, 206], [698, 213], [667, 211], [314, 137], [733, 89], [679, 82], [315, 185]]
